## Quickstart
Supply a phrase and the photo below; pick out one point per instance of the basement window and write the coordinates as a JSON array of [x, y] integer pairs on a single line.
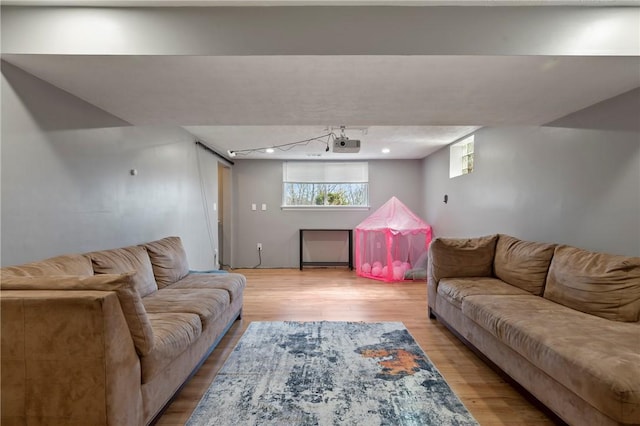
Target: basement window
[[309, 184], [461, 157]]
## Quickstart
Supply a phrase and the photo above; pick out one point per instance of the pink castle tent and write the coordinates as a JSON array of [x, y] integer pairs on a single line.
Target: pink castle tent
[[389, 241]]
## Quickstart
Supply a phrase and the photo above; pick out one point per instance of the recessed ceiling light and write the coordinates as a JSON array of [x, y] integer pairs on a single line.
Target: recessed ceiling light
[[269, 150], [386, 150]]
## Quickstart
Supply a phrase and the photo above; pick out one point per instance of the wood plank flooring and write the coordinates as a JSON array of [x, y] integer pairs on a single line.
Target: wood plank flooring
[[337, 294]]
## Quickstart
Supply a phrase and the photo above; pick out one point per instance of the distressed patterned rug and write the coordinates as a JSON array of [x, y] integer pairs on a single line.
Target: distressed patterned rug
[[329, 373]]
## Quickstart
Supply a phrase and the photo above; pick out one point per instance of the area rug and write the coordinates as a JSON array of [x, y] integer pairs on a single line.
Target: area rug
[[329, 373]]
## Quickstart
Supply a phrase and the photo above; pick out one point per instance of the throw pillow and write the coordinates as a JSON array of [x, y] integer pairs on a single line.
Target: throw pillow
[[600, 284], [68, 264], [169, 260], [127, 259], [457, 257], [523, 264]]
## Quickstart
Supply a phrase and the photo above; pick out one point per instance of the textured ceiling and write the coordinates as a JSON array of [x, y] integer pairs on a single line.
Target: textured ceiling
[[410, 104], [247, 78]]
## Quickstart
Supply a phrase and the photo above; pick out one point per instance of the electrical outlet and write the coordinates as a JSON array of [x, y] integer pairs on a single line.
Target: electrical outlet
[[259, 246]]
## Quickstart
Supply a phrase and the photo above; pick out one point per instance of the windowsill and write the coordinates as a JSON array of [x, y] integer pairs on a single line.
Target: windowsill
[[462, 174], [325, 208]]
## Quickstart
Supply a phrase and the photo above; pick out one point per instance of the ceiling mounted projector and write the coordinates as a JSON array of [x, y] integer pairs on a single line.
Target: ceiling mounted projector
[[343, 145]]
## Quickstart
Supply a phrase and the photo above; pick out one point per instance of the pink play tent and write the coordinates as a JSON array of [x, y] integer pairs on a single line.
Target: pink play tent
[[389, 241]]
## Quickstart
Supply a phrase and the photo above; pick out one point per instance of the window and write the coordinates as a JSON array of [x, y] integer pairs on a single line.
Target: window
[[322, 184], [461, 157]]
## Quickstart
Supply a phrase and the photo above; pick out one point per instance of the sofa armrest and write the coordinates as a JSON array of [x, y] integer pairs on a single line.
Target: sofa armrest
[[67, 358], [432, 287], [455, 257], [122, 284]]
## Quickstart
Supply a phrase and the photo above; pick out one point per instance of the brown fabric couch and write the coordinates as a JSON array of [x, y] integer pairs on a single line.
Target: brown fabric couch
[[561, 321], [108, 337]]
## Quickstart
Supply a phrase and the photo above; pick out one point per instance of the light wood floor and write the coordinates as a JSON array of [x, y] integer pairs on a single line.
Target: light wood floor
[[339, 295]]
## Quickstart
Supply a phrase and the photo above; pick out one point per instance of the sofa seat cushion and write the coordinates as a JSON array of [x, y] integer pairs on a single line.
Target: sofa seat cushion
[[454, 290], [596, 283], [174, 333], [234, 284], [523, 264], [208, 304], [596, 358], [69, 264], [126, 259], [169, 260]]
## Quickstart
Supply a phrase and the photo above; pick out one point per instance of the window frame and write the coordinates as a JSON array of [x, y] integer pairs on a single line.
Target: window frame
[[458, 152], [322, 167]]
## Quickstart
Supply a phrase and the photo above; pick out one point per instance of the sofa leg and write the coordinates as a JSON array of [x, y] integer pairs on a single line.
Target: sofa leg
[[431, 314], [239, 317]]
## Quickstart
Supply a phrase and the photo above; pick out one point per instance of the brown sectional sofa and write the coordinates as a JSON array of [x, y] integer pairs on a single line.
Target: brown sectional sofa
[[108, 337], [560, 321]]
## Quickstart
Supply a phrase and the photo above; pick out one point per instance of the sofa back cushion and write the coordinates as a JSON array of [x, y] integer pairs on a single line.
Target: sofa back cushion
[[169, 260], [68, 264], [600, 284], [458, 258], [523, 264], [123, 284], [127, 259]]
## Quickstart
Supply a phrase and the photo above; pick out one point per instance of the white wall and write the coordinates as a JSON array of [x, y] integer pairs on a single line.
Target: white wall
[[573, 186], [66, 182], [260, 181]]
